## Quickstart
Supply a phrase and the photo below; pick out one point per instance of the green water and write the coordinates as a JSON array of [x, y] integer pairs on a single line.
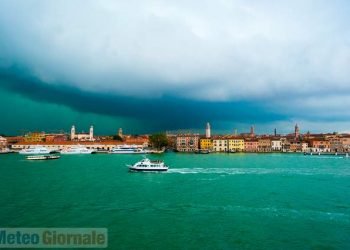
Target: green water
[[216, 201]]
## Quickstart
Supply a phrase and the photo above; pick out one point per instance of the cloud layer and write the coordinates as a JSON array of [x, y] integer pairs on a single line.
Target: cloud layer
[[289, 55]]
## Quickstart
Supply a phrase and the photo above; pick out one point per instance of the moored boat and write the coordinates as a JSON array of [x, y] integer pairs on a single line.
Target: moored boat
[[42, 157], [146, 165], [35, 150], [73, 150], [128, 149]]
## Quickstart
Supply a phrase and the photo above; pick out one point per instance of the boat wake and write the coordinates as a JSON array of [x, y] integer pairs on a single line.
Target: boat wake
[[262, 171]]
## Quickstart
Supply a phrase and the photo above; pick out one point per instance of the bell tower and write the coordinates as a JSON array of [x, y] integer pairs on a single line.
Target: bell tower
[[296, 131], [72, 133], [91, 134], [207, 131]]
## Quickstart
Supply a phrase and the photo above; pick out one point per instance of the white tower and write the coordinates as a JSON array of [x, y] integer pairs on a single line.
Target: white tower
[[72, 133], [120, 132], [207, 131], [91, 133]]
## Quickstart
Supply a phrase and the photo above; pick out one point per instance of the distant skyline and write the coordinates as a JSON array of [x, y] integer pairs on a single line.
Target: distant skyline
[[168, 65]]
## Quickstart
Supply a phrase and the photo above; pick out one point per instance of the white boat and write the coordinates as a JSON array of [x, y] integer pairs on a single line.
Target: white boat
[[74, 150], [146, 165], [35, 150], [128, 149], [42, 157]]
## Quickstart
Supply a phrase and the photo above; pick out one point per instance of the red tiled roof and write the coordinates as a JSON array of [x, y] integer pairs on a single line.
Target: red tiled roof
[[109, 142]]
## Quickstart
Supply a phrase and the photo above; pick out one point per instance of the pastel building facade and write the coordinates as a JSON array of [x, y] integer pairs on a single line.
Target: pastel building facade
[[187, 143], [304, 147], [264, 145], [295, 146], [34, 137], [220, 145], [336, 144], [206, 144], [320, 145], [285, 145], [251, 146], [276, 145], [236, 144], [345, 141]]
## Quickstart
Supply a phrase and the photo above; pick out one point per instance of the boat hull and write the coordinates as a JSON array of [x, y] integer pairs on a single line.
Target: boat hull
[[133, 169], [76, 153], [125, 152]]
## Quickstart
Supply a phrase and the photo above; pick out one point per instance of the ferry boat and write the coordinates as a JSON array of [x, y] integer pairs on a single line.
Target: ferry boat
[[42, 157], [146, 165], [74, 150], [35, 150], [128, 149]]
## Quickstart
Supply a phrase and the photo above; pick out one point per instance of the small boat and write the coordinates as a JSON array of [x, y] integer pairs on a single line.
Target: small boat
[[42, 157], [146, 165]]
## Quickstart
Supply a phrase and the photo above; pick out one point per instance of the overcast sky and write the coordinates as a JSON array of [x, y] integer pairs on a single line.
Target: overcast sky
[[289, 58]]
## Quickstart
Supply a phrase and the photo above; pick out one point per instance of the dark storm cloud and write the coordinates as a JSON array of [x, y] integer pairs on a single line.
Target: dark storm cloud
[[169, 111], [241, 61]]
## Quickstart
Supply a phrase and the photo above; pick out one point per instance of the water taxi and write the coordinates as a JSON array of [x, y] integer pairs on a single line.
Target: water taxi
[[146, 165]]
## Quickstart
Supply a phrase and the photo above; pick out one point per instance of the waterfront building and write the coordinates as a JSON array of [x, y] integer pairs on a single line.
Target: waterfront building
[[82, 136], [207, 131], [304, 146], [295, 146], [187, 142], [335, 144], [264, 145], [34, 137], [345, 141], [171, 140], [285, 144], [13, 140], [319, 145], [138, 140], [220, 144], [3, 142], [235, 144], [206, 144], [56, 137], [276, 144], [251, 145]]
